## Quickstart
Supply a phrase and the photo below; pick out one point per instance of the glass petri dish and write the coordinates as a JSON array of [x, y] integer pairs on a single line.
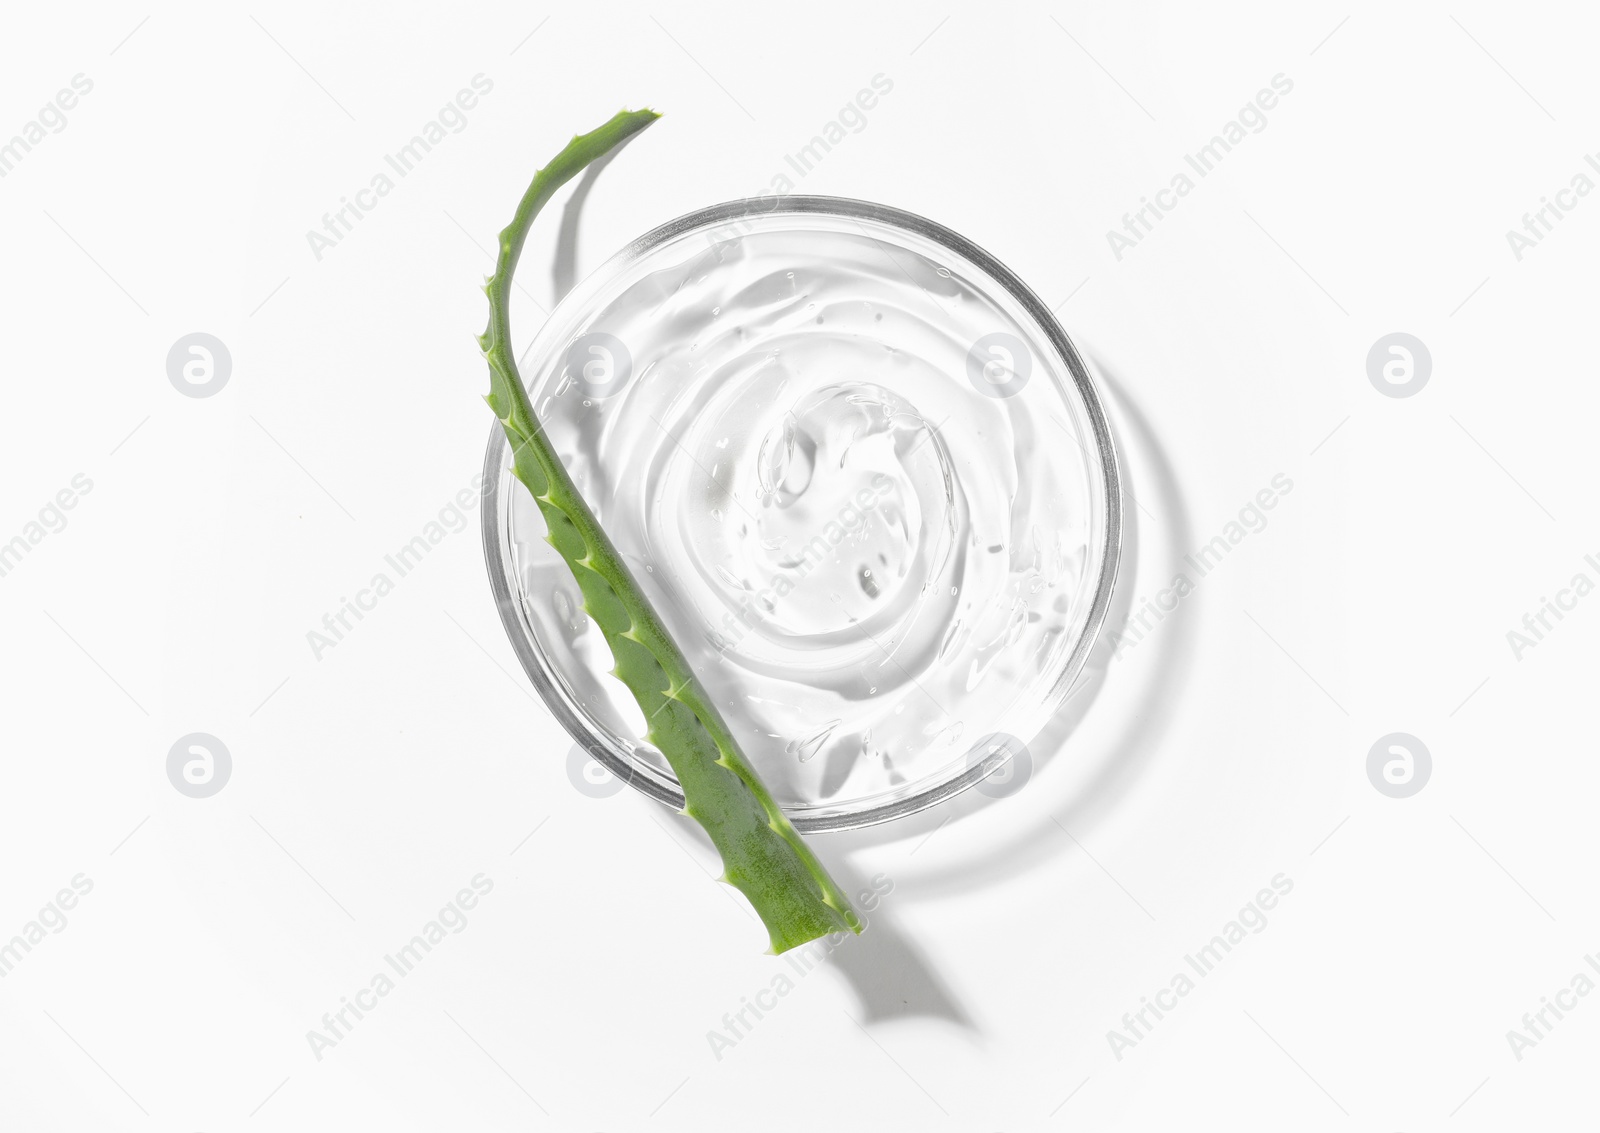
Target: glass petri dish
[[862, 475]]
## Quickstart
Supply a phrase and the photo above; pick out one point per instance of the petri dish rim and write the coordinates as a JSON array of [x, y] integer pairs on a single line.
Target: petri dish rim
[[605, 748]]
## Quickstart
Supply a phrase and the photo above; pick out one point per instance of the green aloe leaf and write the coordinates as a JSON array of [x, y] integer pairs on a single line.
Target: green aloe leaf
[[762, 854]]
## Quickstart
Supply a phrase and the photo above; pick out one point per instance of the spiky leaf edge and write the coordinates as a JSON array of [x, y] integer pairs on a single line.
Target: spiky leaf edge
[[762, 854]]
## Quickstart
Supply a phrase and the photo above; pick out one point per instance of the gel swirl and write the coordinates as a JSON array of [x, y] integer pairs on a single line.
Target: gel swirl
[[792, 432]]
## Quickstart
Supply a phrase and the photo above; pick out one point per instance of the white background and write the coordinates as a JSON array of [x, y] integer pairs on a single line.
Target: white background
[[1228, 747]]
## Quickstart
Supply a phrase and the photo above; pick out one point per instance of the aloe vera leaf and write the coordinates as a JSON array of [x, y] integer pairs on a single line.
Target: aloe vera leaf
[[763, 856]]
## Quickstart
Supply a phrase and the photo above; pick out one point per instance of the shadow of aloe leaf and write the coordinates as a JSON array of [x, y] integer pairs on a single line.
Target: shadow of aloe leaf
[[889, 974], [564, 266]]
